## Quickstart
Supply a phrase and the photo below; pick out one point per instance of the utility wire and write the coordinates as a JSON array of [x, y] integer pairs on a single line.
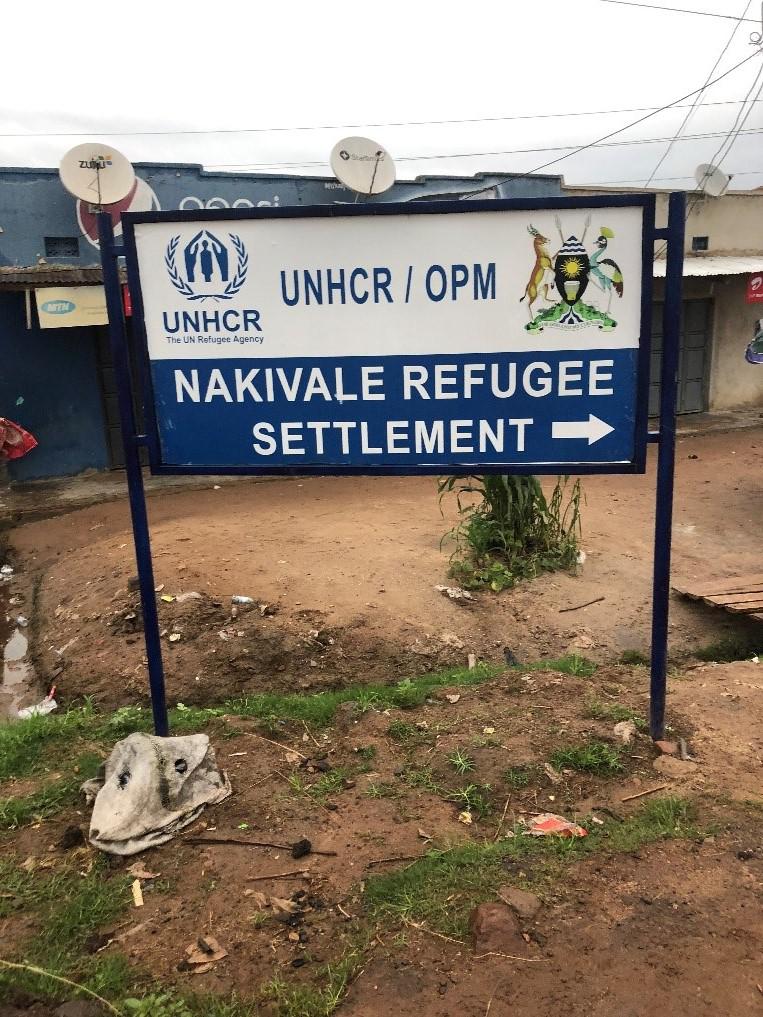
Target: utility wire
[[349, 127], [698, 97], [627, 127], [475, 155], [678, 10]]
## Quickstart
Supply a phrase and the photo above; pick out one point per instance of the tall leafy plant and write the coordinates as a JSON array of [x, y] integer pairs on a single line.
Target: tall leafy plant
[[507, 529]]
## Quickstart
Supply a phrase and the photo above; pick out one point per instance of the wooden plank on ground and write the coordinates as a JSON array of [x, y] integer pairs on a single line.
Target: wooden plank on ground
[[716, 587], [729, 599]]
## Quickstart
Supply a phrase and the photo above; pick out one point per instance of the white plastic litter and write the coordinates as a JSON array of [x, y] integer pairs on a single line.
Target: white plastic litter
[[39, 709], [153, 787]]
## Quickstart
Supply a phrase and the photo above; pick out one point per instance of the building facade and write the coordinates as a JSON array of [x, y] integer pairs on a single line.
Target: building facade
[[723, 301]]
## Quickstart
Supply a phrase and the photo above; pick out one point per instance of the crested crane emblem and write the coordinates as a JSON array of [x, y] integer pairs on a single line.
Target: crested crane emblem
[[571, 273]]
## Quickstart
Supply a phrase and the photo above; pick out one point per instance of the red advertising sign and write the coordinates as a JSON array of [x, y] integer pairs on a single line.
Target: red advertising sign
[[755, 288]]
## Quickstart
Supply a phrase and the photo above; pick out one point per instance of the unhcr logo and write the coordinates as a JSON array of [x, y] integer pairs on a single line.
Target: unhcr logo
[[205, 268]]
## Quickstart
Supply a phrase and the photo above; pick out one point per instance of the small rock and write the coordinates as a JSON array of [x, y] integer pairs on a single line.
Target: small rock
[[625, 730], [509, 656], [72, 837], [667, 748], [745, 855], [495, 928], [524, 904], [672, 767]]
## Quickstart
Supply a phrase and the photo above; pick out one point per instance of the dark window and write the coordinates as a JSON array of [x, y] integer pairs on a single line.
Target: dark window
[[699, 243], [62, 247]]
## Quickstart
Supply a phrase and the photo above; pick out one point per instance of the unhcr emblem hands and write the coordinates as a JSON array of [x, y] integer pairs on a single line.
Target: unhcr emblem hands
[[206, 261]]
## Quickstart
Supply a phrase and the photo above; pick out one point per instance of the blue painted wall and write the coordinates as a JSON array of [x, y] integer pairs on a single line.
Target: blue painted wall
[[33, 203], [55, 373]]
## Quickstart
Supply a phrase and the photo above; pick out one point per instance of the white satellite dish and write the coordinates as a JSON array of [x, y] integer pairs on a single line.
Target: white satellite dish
[[363, 165], [97, 173], [711, 180]]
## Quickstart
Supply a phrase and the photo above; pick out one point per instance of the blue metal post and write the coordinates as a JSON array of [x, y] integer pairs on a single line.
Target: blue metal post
[[132, 442], [671, 339]]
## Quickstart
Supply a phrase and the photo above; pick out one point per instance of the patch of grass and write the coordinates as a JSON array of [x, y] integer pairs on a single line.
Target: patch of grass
[[49, 799], [728, 649], [598, 710], [461, 761], [68, 909], [423, 779], [590, 757], [442, 888], [634, 657], [310, 1001], [518, 777], [473, 798], [384, 789], [571, 664], [366, 752], [31, 746]]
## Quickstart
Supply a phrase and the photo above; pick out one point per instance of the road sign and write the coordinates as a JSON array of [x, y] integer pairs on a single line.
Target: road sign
[[491, 335]]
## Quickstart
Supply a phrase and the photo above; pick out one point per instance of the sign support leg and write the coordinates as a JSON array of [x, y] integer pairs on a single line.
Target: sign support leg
[[132, 442], [671, 338]]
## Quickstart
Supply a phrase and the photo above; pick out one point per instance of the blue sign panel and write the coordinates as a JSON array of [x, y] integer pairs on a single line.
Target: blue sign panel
[[437, 337]]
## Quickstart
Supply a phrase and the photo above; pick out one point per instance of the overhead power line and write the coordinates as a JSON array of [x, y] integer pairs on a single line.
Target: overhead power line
[[480, 155], [678, 10], [698, 96], [350, 127], [626, 127]]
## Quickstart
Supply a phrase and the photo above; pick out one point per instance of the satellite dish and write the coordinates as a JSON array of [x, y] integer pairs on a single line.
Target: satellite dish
[[363, 165], [96, 173], [711, 180]]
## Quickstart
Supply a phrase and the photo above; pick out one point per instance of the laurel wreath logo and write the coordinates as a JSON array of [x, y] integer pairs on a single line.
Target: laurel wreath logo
[[232, 287]]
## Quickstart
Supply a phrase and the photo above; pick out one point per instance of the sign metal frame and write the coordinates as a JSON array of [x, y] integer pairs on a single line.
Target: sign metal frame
[[637, 464], [134, 440]]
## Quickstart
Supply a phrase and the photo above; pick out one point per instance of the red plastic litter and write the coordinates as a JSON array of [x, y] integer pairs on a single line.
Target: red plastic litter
[[15, 442], [549, 824]]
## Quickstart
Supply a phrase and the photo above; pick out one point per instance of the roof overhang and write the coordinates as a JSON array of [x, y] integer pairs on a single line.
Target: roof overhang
[[720, 264]]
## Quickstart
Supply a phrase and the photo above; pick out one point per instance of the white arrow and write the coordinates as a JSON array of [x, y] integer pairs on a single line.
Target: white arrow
[[592, 429]]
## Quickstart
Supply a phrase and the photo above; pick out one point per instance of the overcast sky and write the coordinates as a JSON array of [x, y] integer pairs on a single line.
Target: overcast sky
[[160, 66]]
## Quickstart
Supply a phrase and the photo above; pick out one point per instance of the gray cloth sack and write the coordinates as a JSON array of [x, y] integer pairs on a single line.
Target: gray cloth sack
[[153, 787]]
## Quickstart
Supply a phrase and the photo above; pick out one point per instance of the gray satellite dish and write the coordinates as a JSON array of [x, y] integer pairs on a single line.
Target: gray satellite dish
[[96, 173], [363, 165], [711, 180]]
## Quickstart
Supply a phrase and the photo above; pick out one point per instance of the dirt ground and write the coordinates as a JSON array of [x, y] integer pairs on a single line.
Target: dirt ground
[[347, 569], [670, 927], [343, 575]]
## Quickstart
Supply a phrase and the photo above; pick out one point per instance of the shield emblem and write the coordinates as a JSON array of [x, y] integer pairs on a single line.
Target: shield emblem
[[571, 271]]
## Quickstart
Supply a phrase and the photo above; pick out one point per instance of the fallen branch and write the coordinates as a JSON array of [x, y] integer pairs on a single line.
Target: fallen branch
[[509, 956], [578, 607], [439, 935], [253, 843], [310, 735], [278, 745], [500, 825], [64, 981], [651, 791]]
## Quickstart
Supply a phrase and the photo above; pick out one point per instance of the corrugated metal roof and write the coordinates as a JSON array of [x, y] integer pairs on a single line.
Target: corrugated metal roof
[[14, 277], [720, 264]]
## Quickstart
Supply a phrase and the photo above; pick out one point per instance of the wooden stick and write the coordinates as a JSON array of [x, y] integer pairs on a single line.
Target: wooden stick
[[278, 745], [577, 607], [64, 981], [509, 956], [505, 810], [251, 843], [304, 873], [394, 858], [651, 791], [439, 935], [310, 734]]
